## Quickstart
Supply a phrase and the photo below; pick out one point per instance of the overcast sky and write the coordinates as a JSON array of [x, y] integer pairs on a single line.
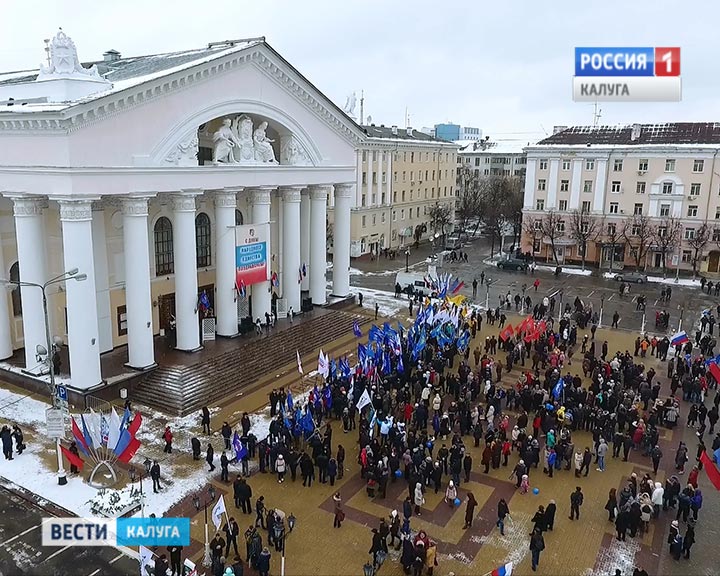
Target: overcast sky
[[505, 67]]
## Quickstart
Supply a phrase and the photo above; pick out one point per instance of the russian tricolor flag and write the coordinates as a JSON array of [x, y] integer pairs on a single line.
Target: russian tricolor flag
[[503, 570], [680, 338]]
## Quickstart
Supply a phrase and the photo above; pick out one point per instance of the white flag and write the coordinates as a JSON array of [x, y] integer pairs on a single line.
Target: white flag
[[92, 421], [364, 400], [323, 367], [299, 362], [147, 565], [217, 512], [114, 430]]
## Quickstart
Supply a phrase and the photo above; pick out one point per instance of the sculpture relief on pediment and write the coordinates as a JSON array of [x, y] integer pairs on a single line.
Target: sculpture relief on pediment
[[240, 141], [185, 153]]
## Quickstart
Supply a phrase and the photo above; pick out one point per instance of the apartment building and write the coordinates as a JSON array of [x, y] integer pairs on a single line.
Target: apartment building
[[493, 157], [621, 178], [401, 174]]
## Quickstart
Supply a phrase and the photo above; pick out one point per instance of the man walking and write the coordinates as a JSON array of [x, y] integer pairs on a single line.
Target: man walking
[[576, 500], [601, 451], [537, 545], [155, 475]]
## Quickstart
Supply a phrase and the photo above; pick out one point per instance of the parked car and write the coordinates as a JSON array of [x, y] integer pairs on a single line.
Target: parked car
[[512, 264], [453, 243], [632, 277]]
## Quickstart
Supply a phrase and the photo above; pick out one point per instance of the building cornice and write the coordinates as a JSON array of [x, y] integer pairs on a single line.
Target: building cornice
[[399, 144]]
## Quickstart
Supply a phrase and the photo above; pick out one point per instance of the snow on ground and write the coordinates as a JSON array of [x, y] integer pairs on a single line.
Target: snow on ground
[[515, 541], [22, 410], [357, 272], [260, 421], [565, 270], [388, 305], [620, 555], [661, 280]]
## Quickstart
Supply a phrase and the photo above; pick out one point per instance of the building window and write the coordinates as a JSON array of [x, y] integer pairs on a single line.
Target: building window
[[374, 199], [394, 215], [382, 198], [695, 189], [122, 320], [412, 157], [364, 178], [542, 184], [717, 213], [587, 186], [566, 164], [637, 210], [716, 235], [584, 226], [614, 207], [374, 219], [486, 172], [382, 217], [394, 196], [617, 166], [417, 212], [640, 188], [669, 165], [540, 205], [686, 256], [374, 178], [635, 230], [202, 240], [395, 176], [537, 225], [163, 236], [586, 206], [642, 165], [363, 200], [560, 227], [364, 220], [612, 229], [667, 187], [384, 178], [662, 231], [374, 156], [564, 185], [698, 165], [562, 205], [16, 299], [664, 209], [543, 165], [402, 214], [404, 176], [615, 187], [364, 155], [239, 219], [692, 211], [589, 164], [689, 233], [477, 161]]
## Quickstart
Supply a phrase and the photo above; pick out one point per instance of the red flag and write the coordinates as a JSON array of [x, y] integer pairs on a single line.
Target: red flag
[[72, 458], [711, 468], [542, 327], [531, 336], [715, 371], [130, 451], [135, 424], [519, 328], [507, 332], [79, 438]]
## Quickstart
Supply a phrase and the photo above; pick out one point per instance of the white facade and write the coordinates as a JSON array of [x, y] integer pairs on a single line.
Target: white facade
[[118, 182]]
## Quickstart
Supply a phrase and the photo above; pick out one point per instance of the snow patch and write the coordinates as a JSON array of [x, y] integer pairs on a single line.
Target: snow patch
[[515, 542], [619, 555], [661, 280]]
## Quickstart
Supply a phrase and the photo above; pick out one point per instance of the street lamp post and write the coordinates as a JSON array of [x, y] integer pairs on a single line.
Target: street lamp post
[[207, 560], [291, 525], [407, 260], [132, 473], [50, 348], [602, 303], [487, 293]]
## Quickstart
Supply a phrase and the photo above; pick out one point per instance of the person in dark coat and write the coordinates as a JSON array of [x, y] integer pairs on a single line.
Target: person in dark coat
[[611, 504], [195, 446], [176, 560], [205, 420], [538, 520], [263, 566], [537, 545], [6, 437], [550, 515], [232, 531], [408, 554], [332, 470], [470, 510], [217, 545], [74, 450], [622, 523], [253, 546], [155, 475], [376, 546], [161, 565], [19, 439], [237, 567], [210, 456], [689, 539], [224, 463]]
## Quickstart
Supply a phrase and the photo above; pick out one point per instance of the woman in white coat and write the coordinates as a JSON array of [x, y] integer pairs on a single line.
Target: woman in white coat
[[418, 498], [451, 494]]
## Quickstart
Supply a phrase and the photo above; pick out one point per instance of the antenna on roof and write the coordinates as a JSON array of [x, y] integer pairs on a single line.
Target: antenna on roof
[[47, 50], [597, 113], [407, 117], [362, 106]]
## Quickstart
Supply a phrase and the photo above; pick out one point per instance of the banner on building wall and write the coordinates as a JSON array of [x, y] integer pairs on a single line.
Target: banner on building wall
[[252, 246]]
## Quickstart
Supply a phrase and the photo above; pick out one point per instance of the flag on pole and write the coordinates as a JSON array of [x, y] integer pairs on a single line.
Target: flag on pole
[[290, 401], [217, 512], [323, 368], [304, 270], [356, 329], [558, 389], [505, 570], [240, 449], [715, 371], [147, 565], [679, 339], [364, 400], [300, 275], [74, 460], [79, 438], [114, 429], [507, 333], [299, 363]]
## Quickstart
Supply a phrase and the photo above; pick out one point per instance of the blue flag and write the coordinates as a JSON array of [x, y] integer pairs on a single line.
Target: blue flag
[[86, 434], [386, 368], [558, 389], [290, 402], [327, 394], [376, 335], [362, 354], [308, 424], [400, 366], [356, 329], [240, 449]]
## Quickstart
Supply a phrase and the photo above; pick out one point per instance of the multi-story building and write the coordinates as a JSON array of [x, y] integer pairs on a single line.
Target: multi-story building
[[401, 174], [493, 157], [453, 132], [632, 185]]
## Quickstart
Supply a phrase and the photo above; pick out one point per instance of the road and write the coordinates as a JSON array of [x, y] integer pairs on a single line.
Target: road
[[22, 553], [593, 290]]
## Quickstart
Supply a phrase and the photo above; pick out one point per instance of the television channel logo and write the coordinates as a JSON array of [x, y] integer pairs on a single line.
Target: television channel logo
[[634, 74], [146, 532]]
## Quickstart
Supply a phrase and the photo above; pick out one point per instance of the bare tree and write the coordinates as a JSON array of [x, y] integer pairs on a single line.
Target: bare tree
[[441, 216], [697, 243], [584, 228], [638, 231], [665, 237], [500, 207], [552, 227], [469, 193], [613, 237]]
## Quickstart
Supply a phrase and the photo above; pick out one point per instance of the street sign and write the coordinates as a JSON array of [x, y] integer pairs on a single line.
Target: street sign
[[55, 421], [61, 393]]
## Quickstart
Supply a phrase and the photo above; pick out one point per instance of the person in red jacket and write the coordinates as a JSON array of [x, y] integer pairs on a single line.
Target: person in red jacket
[[168, 437]]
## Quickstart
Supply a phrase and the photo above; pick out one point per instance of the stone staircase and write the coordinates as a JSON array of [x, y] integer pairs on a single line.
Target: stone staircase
[[183, 388]]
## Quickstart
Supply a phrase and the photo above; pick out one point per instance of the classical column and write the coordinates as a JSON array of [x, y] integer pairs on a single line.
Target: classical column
[[81, 297], [6, 349], [30, 231], [291, 246], [102, 280], [341, 240], [186, 284], [261, 295], [305, 238], [138, 298], [318, 243], [225, 293]]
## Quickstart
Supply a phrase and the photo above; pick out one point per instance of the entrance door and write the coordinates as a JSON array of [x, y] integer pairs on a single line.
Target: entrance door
[[166, 308], [714, 261], [209, 290], [560, 253], [657, 260]]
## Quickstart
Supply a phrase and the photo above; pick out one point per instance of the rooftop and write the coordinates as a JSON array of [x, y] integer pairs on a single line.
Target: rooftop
[[505, 146], [694, 133], [382, 131]]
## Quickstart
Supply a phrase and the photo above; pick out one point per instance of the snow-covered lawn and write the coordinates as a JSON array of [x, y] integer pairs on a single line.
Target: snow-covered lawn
[[661, 280], [565, 270], [388, 305]]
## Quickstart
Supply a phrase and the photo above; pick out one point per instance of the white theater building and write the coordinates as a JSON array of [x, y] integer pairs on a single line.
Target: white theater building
[[136, 170]]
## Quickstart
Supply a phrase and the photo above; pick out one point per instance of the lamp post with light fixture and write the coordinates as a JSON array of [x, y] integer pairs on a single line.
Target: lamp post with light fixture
[[48, 352], [207, 560]]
